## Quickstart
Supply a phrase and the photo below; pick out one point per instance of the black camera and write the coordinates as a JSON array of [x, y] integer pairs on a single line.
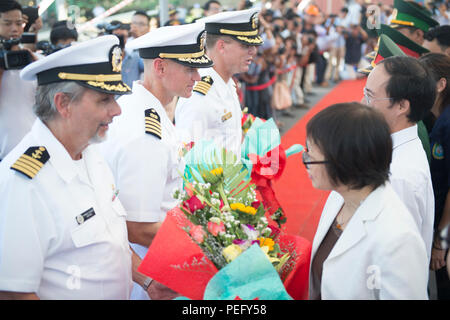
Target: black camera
[[13, 59], [47, 48]]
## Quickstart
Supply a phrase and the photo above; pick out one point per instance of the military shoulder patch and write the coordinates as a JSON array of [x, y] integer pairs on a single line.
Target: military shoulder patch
[[31, 161], [437, 151], [204, 85], [153, 123]]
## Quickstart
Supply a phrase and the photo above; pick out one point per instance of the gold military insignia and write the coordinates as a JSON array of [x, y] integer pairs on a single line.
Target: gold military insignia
[[116, 59], [255, 21], [202, 40], [204, 85], [153, 123], [226, 116], [31, 161]]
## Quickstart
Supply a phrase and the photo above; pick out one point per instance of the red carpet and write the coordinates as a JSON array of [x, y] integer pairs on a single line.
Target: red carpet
[[301, 202]]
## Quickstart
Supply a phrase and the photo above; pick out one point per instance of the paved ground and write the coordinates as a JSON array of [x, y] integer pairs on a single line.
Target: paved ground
[[295, 114]]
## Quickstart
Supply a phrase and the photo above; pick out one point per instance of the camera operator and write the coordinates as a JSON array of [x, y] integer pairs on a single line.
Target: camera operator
[[16, 95], [132, 64]]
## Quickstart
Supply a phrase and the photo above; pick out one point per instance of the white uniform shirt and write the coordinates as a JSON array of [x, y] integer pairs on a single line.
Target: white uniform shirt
[[16, 109], [411, 179], [43, 249], [214, 116]]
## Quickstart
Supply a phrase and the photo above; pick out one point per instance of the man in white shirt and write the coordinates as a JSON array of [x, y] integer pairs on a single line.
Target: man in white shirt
[[143, 149], [213, 112], [401, 89], [63, 232]]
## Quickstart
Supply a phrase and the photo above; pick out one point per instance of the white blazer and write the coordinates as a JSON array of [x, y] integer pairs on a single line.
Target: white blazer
[[380, 254]]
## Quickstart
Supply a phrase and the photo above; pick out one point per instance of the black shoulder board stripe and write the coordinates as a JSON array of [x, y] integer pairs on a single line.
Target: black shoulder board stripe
[[203, 85], [153, 123], [31, 161]]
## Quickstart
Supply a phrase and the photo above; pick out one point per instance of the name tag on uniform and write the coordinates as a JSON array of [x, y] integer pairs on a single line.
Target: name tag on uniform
[[226, 116], [81, 218]]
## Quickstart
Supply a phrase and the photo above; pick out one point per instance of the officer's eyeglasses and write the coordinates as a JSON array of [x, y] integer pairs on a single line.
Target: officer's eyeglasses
[[368, 99], [307, 159], [444, 237]]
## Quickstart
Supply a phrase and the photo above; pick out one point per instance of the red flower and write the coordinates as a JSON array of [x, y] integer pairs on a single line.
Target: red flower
[[194, 204], [256, 204]]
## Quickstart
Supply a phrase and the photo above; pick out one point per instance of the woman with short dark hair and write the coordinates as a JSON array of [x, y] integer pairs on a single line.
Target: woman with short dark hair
[[367, 245]]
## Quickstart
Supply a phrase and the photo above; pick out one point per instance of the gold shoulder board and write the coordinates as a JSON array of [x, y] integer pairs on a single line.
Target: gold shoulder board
[[153, 123], [31, 161], [203, 85]]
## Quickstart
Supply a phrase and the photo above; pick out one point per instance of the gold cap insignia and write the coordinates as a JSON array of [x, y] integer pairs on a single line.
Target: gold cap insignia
[[116, 59]]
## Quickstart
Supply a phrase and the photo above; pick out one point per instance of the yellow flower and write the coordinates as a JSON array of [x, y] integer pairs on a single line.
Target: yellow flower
[[242, 208], [250, 210], [231, 252], [237, 206], [266, 242], [217, 171]]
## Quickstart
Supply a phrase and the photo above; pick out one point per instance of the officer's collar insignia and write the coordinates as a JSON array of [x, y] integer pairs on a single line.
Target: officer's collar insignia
[[153, 123], [204, 85], [438, 151], [31, 161]]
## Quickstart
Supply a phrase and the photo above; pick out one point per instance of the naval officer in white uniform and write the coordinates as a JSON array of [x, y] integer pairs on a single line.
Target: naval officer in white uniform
[[144, 150], [213, 112], [63, 229]]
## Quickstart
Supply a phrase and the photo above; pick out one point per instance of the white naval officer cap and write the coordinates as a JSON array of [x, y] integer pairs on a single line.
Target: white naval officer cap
[[95, 64], [242, 25], [184, 44]]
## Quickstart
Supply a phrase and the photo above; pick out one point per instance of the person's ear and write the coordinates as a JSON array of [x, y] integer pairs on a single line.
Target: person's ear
[[404, 107], [441, 85], [62, 103], [159, 65], [418, 36], [447, 51]]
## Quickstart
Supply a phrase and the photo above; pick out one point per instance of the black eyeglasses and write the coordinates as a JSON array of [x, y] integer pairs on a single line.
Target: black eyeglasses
[[307, 160]]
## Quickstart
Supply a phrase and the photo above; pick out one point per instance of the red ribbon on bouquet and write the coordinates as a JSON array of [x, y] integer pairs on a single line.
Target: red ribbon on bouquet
[[266, 169]]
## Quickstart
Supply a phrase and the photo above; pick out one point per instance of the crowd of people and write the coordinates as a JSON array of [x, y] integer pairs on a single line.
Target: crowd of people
[[385, 159]]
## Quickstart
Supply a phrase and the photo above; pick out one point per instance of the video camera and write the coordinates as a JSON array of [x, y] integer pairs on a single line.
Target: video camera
[[108, 28], [47, 48], [13, 59]]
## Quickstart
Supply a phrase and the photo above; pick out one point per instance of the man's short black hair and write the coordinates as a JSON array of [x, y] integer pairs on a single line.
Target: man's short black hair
[[208, 4], [142, 13], [409, 80], [9, 5], [356, 142], [441, 34], [62, 32]]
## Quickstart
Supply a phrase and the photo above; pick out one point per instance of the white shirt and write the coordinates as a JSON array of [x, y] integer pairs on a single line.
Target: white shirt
[[379, 255], [43, 249], [16, 109], [411, 179], [148, 170], [214, 116]]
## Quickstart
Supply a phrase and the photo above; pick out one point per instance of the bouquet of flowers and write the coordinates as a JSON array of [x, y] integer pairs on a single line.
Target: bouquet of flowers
[[217, 231]]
